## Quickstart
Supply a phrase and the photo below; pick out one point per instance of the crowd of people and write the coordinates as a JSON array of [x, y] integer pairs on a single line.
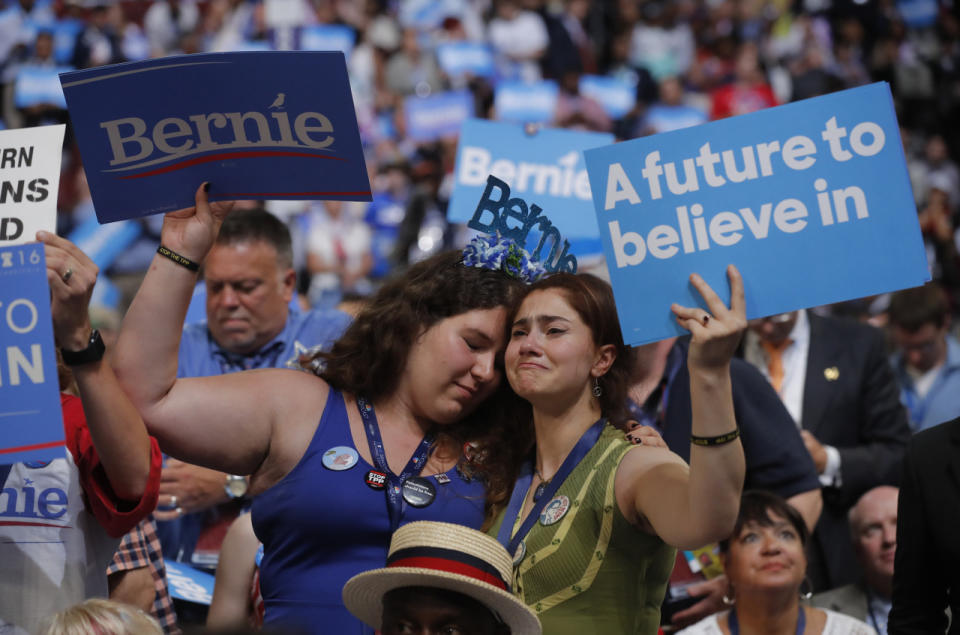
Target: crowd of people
[[473, 401]]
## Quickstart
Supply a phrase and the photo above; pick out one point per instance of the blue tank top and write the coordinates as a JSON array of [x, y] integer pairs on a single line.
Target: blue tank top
[[320, 527]]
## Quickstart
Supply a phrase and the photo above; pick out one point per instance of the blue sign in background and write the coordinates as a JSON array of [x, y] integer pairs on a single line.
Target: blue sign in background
[[524, 102], [430, 118], [239, 120], [327, 37], [189, 584], [31, 422], [38, 85], [819, 263], [617, 96], [545, 168], [462, 58]]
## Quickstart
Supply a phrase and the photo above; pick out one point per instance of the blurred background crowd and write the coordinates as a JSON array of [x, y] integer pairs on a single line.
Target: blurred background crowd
[[419, 67]]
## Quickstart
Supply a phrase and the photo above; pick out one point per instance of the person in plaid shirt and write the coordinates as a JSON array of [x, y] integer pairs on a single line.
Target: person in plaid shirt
[[137, 575]]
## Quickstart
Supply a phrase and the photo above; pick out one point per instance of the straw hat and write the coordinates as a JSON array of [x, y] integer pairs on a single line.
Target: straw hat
[[444, 556]]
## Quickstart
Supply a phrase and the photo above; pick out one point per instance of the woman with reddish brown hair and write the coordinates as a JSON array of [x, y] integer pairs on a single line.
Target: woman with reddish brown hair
[[593, 525]]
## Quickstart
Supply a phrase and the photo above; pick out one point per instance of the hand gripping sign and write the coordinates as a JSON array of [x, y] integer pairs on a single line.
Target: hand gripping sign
[[811, 201], [31, 425], [257, 125]]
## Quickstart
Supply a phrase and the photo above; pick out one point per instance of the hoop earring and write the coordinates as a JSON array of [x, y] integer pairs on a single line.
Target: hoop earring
[[728, 601], [806, 595], [597, 389]]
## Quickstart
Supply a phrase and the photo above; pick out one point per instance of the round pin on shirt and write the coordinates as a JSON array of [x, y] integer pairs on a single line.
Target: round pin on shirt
[[418, 491], [340, 458], [520, 554], [555, 510], [376, 479]]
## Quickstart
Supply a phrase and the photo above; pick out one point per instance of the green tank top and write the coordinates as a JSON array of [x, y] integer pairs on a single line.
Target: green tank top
[[589, 570]]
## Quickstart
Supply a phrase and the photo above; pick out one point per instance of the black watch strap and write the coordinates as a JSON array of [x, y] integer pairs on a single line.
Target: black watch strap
[[92, 353]]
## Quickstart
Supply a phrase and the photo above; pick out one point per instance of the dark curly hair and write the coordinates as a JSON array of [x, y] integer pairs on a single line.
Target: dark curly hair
[[370, 357]]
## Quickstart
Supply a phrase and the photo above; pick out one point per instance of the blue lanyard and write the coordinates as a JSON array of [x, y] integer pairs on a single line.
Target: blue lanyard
[[580, 450], [394, 482], [734, 625]]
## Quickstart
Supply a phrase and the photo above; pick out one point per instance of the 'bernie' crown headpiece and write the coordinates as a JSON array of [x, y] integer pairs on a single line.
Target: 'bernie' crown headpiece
[[501, 245], [493, 251]]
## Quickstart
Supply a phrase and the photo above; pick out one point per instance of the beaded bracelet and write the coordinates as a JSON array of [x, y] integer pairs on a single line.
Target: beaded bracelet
[[717, 440], [177, 258]]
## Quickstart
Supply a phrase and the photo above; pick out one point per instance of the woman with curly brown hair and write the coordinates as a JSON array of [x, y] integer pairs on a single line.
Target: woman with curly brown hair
[[341, 457]]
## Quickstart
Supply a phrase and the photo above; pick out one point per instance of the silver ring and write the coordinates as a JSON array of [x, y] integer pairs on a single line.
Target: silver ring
[[705, 319], [173, 502], [66, 275], [178, 511]]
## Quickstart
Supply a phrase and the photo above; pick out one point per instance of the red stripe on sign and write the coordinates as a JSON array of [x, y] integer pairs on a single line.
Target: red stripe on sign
[[450, 566], [228, 155], [22, 523], [38, 446], [220, 195]]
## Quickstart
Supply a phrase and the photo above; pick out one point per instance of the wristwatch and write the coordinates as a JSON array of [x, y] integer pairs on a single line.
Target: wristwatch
[[92, 353], [236, 486]]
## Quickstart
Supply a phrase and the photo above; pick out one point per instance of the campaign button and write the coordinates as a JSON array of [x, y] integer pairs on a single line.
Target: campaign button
[[555, 510], [340, 458], [520, 553], [418, 491], [376, 480]]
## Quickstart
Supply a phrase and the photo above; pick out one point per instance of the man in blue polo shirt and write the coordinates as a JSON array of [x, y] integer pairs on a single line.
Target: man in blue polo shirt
[[927, 357], [251, 323]]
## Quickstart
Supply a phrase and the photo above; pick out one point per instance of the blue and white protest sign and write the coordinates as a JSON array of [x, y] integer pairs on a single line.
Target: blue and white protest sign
[[327, 37], [423, 15], [39, 86], [105, 294], [31, 423], [545, 168], [189, 584], [271, 125], [810, 200], [918, 14], [441, 115], [251, 46], [466, 58], [29, 182], [524, 102], [616, 95], [103, 243], [278, 14], [65, 33]]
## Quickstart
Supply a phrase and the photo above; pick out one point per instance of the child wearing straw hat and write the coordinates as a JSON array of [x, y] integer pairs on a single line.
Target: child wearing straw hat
[[441, 576]]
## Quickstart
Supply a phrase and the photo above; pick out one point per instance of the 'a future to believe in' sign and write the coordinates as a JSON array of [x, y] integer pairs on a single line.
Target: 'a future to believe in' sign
[[810, 200]]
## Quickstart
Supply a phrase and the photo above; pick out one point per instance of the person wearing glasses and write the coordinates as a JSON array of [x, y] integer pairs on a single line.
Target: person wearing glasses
[[834, 378]]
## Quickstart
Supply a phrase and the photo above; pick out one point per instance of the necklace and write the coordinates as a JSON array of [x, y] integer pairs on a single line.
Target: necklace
[[542, 487]]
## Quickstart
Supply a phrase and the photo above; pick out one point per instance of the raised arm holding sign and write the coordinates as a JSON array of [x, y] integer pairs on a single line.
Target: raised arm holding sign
[[81, 498]]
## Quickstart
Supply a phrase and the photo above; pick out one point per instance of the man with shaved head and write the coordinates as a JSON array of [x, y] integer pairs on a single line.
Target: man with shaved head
[[873, 528]]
